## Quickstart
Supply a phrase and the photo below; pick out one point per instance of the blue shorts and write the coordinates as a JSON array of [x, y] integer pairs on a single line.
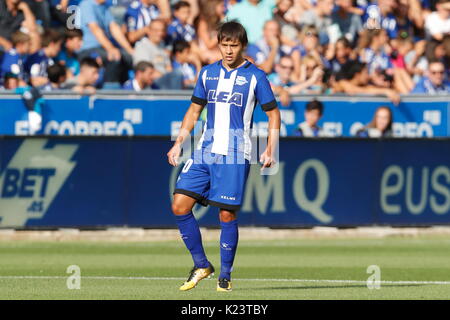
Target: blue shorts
[[214, 179]]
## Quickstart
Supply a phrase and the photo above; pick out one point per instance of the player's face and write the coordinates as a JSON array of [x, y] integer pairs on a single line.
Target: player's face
[[231, 50]]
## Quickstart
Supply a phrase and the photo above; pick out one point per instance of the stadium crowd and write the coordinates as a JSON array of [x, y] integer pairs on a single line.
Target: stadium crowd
[[383, 47]]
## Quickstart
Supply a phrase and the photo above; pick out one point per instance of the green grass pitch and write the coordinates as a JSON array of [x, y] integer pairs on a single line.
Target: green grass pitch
[[411, 268]]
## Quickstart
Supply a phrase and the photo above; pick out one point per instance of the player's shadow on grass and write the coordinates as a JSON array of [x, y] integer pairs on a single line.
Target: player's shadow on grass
[[332, 287]]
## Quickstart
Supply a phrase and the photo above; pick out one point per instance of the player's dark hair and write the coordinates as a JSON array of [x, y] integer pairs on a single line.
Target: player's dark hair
[[232, 30], [181, 4], [314, 105], [51, 36], [180, 46], [55, 72], [143, 65], [89, 62]]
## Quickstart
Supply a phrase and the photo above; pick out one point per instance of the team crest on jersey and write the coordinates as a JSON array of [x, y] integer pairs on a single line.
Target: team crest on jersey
[[225, 97], [240, 81]]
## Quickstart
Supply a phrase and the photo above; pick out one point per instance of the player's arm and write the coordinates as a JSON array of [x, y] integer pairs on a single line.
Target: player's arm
[[268, 156], [269, 105], [199, 101], [189, 121]]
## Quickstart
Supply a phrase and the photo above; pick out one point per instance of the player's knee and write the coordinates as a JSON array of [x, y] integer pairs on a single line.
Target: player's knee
[[179, 209], [227, 216]]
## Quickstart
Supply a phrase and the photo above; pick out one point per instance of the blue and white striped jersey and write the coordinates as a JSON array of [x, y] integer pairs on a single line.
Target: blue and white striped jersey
[[231, 97], [139, 15]]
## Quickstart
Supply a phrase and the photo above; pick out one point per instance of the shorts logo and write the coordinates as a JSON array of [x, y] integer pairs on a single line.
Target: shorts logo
[[228, 198]]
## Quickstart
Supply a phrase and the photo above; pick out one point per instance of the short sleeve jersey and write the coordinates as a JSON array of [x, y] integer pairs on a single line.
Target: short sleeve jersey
[[230, 98]]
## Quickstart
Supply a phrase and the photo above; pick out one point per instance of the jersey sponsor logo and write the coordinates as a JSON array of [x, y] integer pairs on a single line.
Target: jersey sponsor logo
[[240, 81], [235, 98], [32, 179], [212, 78]]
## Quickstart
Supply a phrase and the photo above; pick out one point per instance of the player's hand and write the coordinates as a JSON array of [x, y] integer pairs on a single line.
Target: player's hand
[[174, 154], [266, 159]]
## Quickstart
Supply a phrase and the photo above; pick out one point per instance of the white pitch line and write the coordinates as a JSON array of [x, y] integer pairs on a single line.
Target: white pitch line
[[237, 279]]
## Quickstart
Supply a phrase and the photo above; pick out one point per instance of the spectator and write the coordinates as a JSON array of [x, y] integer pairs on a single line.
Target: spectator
[[437, 23], [180, 29], [311, 77], [342, 54], [284, 69], [319, 17], [409, 16], [84, 82], [41, 11], [14, 15], [354, 79], [143, 78], [287, 25], [349, 24], [211, 15], [281, 79], [381, 16], [434, 82], [36, 64], [373, 50], [181, 53], [13, 59], [267, 50], [138, 16], [310, 128], [57, 75], [309, 45], [151, 48], [380, 126], [10, 81], [68, 56], [100, 35], [252, 14]]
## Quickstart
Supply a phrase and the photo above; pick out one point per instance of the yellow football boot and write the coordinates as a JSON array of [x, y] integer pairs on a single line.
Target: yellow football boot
[[196, 275], [224, 285]]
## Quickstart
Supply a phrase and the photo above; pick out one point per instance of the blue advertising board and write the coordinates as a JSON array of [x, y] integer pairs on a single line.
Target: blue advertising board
[[126, 181], [162, 115]]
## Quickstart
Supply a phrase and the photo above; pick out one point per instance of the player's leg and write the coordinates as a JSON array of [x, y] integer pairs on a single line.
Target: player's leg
[[189, 229], [192, 186], [228, 180], [229, 237]]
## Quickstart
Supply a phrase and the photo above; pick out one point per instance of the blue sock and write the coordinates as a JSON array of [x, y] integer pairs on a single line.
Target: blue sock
[[190, 233], [228, 244]]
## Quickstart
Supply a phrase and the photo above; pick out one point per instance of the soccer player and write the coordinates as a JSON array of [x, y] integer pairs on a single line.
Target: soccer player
[[217, 171]]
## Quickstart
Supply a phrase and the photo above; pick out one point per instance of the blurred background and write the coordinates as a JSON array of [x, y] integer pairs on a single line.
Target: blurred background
[[92, 91]]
